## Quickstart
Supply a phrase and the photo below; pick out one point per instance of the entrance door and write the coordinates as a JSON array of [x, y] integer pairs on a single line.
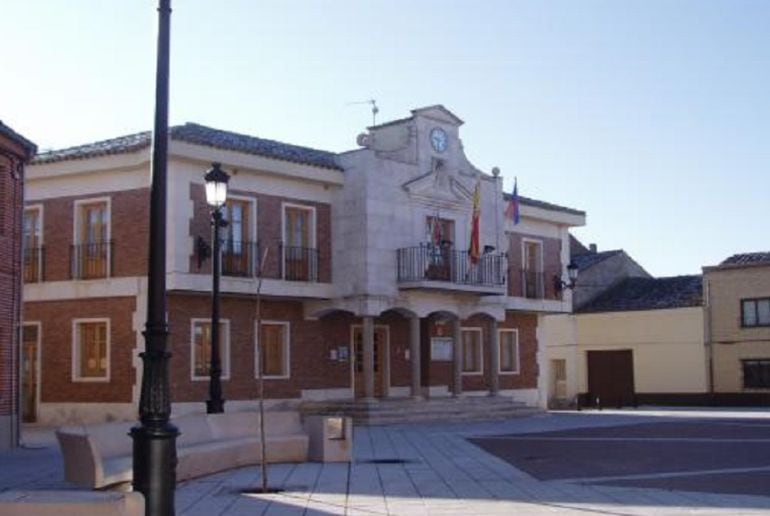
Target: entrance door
[[29, 381], [380, 354], [611, 377]]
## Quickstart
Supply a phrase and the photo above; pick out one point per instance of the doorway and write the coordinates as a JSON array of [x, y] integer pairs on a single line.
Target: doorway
[[611, 378], [381, 360], [30, 380]]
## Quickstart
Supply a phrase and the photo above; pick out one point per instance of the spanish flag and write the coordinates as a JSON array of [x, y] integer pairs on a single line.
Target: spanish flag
[[475, 248]]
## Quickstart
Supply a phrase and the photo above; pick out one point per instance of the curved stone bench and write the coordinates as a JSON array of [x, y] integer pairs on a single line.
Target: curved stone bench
[[101, 455]]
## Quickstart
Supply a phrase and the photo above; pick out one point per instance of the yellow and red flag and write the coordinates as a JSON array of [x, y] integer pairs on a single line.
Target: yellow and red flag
[[475, 248]]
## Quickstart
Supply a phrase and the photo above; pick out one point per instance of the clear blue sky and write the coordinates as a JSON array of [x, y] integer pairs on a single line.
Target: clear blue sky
[[652, 116]]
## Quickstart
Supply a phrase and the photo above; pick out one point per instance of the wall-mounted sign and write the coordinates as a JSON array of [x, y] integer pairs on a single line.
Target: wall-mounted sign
[[441, 349]]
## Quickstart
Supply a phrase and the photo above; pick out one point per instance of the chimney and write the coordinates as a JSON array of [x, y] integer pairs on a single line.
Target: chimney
[[592, 248]]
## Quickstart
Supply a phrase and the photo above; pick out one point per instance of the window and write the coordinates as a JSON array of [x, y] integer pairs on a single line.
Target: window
[[532, 270], [237, 249], [92, 239], [273, 341], [33, 244], [201, 348], [91, 350], [756, 374], [755, 312], [471, 338], [300, 258], [509, 351]]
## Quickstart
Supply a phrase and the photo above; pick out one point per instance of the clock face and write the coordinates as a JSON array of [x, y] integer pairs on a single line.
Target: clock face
[[439, 139]]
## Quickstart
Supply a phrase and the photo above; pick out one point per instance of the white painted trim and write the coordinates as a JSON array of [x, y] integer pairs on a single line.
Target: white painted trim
[[480, 331], [76, 228], [516, 371], [286, 348], [224, 348], [75, 358], [82, 289], [385, 356], [39, 367], [251, 231]]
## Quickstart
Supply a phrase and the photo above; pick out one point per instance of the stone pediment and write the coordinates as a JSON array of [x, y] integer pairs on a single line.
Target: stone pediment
[[440, 184], [438, 112]]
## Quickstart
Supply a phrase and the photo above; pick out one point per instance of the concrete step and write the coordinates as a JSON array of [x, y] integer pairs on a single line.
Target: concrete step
[[392, 411]]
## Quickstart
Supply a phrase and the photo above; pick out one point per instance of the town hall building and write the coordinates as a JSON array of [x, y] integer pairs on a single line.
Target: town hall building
[[362, 259]]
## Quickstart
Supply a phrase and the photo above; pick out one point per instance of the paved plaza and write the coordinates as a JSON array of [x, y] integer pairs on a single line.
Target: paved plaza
[[611, 463]]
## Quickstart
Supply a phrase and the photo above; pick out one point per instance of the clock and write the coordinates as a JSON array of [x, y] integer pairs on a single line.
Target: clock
[[439, 139]]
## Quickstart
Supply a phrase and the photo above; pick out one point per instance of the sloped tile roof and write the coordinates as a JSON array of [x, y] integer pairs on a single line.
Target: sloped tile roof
[[589, 259], [542, 204], [748, 259], [12, 135], [199, 135], [648, 294]]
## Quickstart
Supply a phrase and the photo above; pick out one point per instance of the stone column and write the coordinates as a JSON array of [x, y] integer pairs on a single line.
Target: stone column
[[414, 355], [368, 342], [457, 356], [494, 359]]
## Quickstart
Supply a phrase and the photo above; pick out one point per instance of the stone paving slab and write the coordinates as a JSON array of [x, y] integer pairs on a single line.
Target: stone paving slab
[[442, 474]]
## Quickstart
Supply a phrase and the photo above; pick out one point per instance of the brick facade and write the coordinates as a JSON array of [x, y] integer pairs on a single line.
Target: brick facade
[[129, 221], [551, 249], [56, 341], [15, 151], [269, 224]]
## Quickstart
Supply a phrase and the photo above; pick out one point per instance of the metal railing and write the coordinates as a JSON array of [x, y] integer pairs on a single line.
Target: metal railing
[[299, 263], [239, 258], [91, 260], [532, 284], [437, 263], [34, 262]]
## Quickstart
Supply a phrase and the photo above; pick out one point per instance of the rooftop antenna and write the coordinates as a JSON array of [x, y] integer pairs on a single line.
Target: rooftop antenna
[[375, 109]]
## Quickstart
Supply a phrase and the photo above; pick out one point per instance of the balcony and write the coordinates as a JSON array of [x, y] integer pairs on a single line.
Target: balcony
[[290, 263], [434, 267], [91, 260], [34, 262]]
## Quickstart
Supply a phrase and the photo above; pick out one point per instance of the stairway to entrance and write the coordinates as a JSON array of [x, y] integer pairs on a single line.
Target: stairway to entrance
[[406, 410]]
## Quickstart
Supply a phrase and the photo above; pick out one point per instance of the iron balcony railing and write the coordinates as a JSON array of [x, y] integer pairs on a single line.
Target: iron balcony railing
[[34, 263], [239, 258], [91, 260], [437, 263], [532, 284], [299, 263]]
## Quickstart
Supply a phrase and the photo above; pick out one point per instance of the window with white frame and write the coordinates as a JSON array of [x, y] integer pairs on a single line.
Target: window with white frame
[[92, 246], [91, 350], [200, 343], [238, 237], [300, 256], [272, 350], [472, 361], [533, 279], [509, 351], [33, 244]]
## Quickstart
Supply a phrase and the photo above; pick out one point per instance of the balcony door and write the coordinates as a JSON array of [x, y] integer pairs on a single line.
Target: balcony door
[[236, 249], [33, 242], [440, 236], [299, 244], [532, 273], [92, 248]]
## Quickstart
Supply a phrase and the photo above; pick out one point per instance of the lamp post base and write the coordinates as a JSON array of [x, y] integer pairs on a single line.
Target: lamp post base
[[215, 406], [155, 466]]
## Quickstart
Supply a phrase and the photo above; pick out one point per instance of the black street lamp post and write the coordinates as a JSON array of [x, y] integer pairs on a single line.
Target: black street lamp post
[[154, 438], [216, 196]]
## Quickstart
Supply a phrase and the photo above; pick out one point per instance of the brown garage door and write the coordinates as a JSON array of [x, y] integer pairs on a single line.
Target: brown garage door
[[611, 377]]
